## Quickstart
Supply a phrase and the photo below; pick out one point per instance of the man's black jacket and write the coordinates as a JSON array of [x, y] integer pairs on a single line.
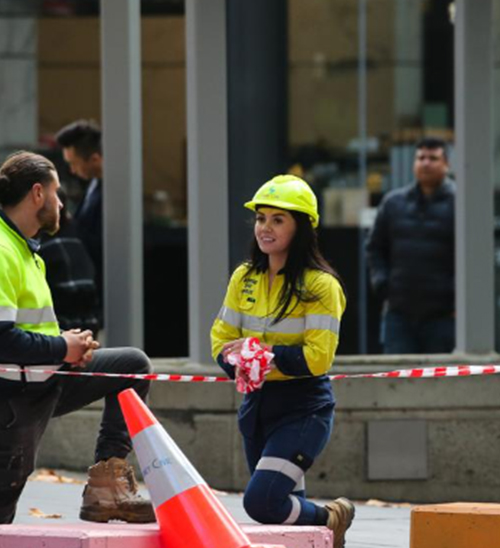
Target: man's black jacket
[[411, 251]]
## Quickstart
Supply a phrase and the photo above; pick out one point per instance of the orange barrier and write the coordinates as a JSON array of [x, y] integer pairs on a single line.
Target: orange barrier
[[188, 512], [455, 525]]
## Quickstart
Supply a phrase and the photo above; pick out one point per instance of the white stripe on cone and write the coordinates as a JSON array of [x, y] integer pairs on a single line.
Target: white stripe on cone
[[165, 469]]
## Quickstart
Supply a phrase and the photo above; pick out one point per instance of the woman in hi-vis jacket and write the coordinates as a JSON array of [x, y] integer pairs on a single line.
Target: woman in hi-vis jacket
[[288, 297]]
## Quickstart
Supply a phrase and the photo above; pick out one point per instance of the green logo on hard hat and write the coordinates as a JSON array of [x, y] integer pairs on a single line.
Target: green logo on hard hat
[[270, 191]]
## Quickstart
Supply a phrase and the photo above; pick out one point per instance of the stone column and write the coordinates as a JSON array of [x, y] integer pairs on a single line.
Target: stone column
[[18, 76], [408, 56]]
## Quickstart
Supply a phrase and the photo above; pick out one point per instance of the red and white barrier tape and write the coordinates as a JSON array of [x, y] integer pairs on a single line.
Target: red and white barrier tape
[[418, 373]]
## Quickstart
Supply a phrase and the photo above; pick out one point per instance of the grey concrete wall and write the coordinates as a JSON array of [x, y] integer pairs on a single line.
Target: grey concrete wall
[[455, 459]]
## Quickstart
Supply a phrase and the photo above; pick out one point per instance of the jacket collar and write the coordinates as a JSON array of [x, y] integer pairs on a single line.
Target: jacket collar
[[445, 188], [33, 245]]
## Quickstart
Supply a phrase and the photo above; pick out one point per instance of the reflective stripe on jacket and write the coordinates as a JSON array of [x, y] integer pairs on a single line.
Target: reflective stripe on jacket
[[313, 327]]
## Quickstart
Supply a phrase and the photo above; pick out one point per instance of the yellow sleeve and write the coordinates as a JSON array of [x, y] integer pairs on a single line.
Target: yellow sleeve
[[323, 317], [227, 325], [10, 279]]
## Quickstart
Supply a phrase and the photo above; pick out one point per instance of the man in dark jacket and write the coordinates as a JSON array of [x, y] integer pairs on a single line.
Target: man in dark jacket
[[70, 275], [411, 254], [81, 144]]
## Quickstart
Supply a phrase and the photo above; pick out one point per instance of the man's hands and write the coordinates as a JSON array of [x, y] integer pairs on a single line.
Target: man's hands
[[81, 345]]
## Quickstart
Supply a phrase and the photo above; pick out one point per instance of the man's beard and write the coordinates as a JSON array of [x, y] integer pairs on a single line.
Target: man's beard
[[49, 220]]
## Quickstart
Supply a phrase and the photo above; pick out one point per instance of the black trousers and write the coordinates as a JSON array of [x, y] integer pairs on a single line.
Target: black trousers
[[25, 412]]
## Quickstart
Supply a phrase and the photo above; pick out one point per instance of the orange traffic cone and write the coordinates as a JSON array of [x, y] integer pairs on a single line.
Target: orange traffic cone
[[188, 512]]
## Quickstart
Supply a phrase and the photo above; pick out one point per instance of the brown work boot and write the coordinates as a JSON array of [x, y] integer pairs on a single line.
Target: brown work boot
[[111, 493], [340, 516]]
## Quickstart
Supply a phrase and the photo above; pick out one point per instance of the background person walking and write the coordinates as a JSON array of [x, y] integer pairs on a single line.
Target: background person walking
[[411, 255]]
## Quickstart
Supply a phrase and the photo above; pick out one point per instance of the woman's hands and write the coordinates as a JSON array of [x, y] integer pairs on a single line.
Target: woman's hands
[[233, 346], [251, 361], [237, 344]]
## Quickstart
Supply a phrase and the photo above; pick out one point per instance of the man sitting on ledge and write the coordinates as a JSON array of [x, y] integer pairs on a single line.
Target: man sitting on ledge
[[30, 338]]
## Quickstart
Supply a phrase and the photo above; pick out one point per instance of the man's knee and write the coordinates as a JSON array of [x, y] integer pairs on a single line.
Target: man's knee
[[135, 360], [141, 361]]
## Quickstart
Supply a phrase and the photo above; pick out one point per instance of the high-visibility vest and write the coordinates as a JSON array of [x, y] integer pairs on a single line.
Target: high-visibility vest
[[25, 297]]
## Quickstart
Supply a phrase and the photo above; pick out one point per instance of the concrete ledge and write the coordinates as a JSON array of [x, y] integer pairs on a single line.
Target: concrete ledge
[[461, 416], [84, 535], [290, 536], [91, 535], [456, 525]]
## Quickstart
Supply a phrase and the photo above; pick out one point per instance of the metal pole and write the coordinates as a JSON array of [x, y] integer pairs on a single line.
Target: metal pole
[[208, 238], [122, 174], [362, 163], [475, 296], [258, 107]]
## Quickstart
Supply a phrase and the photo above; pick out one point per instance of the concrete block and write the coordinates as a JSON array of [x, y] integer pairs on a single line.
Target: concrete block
[[465, 451], [69, 441], [241, 473], [90, 535], [210, 447], [290, 536], [456, 525], [84, 535], [397, 449], [439, 393], [340, 468], [193, 396], [462, 418], [206, 440]]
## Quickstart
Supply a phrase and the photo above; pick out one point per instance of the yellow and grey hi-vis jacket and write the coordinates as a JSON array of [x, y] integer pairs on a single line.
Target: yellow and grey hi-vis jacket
[[29, 332], [304, 342]]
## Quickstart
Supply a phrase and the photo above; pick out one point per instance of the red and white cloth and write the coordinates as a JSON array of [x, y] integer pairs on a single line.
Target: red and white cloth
[[253, 363]]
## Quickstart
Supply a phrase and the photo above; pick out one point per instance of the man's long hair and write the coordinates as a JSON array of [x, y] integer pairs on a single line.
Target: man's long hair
[[20, 171]]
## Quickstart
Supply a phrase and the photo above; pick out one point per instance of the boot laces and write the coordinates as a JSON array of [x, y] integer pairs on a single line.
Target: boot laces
[[129, 474]]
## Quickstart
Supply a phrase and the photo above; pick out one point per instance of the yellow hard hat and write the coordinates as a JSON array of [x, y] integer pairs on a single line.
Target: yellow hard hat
[[287, 192]]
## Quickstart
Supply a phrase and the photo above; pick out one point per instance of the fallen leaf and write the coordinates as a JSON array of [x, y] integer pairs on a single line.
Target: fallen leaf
[[384, 504], [376, 503], [51, 476], [37, 513]]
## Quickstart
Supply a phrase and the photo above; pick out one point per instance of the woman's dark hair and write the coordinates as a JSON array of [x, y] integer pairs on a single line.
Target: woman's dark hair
[[20, 171], [303, 253]]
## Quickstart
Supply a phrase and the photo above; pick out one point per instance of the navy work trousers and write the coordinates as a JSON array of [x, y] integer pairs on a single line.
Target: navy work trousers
[[403, 335], [278, 461]]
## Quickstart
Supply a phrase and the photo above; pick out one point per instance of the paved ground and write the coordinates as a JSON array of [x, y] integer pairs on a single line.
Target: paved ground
[[375, 526]]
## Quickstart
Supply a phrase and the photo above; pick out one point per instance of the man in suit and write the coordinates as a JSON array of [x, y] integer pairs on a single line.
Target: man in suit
[[82, 150]]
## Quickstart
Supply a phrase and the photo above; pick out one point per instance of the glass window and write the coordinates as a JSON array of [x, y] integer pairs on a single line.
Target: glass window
[[367, 80]]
